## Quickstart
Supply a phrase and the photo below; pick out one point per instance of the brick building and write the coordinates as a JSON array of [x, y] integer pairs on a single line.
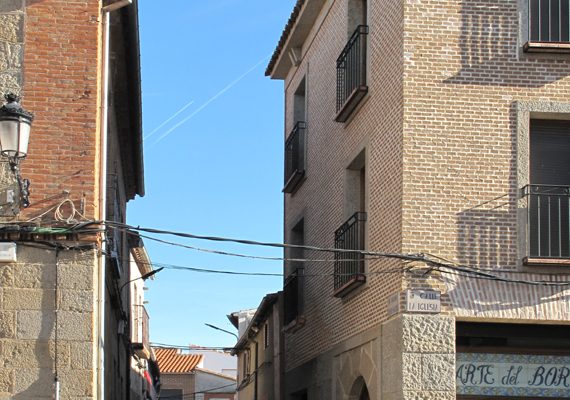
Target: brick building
[[64, 302], [436, 130]]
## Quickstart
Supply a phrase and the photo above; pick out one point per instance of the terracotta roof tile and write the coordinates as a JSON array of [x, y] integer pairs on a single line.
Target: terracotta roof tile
[[170, 360]]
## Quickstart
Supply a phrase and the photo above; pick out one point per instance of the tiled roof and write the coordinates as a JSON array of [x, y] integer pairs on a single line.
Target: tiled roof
[[285, 36], [170, 360]]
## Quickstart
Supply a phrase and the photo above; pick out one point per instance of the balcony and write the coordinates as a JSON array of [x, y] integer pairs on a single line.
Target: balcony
[[548, 26], [295, 157], [139, 339], [351, 74], [548, 224], [349, 266], [293, 298]]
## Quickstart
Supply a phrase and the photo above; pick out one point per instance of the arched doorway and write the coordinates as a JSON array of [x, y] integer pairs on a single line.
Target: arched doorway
[[364, 394], [359, 391]]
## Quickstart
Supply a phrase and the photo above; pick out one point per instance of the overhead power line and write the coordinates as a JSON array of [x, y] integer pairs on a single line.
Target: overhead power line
[[433, 263]]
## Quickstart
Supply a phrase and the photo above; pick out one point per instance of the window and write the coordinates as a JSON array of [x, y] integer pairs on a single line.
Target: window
[[294, 254], [172, 394], [293, 296], [266, 335], [351, 71], [295, 143], [548, 194], [548, 25], [294, 286], [246, 364], [349, 267]]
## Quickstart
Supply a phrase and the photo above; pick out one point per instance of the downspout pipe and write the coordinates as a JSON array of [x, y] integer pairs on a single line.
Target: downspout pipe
[[102, 265], [103, 209], [255, 383]]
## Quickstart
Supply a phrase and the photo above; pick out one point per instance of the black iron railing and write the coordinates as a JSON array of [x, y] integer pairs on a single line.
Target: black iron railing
[[295, 156], [349, 266], [549, 20], [548, 221], [351, 70], [293, 295]]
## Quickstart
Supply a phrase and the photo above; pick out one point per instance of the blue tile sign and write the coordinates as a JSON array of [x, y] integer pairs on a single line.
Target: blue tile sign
[[513, 375]]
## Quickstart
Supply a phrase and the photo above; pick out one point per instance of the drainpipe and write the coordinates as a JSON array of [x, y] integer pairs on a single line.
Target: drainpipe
[[255, 385], [104, 111], [103, 210]]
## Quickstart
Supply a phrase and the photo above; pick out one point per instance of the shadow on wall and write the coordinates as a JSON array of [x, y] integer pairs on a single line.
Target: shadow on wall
[[487, 237], [41, 375], [487, 233], [490, 49]]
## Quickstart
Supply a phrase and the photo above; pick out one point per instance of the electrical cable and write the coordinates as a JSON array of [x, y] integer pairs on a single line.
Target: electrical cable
[[241, 255], [190, 348], [253, 242], [209, 390]]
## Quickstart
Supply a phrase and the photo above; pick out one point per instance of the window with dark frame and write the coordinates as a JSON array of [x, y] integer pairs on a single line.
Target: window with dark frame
[[266, 335], [351, 71], [548, 194], [296, 141], [293, 296], [349, 267], [548, 25]]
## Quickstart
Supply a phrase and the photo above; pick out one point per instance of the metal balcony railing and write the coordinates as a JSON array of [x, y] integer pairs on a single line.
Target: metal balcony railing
[[349, 266], [549, 21], [351, 74], [140, 332], [295, 156], [548, 221], [293, 295]]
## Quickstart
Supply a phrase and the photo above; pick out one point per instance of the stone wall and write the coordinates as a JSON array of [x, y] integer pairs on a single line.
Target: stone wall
[[46, 319], [11, 45]]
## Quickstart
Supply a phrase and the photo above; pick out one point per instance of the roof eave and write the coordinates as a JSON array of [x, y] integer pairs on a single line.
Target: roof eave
[[258, 317], [296, 30]]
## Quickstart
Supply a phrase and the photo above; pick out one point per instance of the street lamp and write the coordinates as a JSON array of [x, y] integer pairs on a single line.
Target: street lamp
[[220, 329], [15, 126], [143, 277]]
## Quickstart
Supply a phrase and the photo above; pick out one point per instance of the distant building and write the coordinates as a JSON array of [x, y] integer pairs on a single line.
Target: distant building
[[183, 376], [219, 361], [260, 352]]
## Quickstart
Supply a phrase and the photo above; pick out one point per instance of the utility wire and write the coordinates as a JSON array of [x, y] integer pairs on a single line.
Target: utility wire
[[435, 264], [256, 243], [192, 348], [241, 255]]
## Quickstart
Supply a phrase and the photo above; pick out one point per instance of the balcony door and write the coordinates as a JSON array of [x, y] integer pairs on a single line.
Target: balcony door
[[549, 200]]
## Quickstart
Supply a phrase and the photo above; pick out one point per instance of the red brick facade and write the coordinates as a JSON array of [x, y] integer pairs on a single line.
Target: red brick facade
[[62, 88]]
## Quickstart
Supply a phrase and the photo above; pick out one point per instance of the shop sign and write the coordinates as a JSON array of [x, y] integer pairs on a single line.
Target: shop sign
[[513, 375], [423, 301]]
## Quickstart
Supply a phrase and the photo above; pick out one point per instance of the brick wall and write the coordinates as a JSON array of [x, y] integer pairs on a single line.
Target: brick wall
[[61, 87], [465, 77], [186, 382], [331, 148], [440, 129]]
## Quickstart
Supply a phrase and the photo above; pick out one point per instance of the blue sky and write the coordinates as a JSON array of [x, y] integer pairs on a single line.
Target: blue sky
[[213, 126]]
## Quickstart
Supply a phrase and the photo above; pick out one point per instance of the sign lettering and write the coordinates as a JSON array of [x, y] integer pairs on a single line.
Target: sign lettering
[[513, 375]]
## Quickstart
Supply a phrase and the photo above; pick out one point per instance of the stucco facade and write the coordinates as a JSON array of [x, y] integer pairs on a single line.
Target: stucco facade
[[441, 142]]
